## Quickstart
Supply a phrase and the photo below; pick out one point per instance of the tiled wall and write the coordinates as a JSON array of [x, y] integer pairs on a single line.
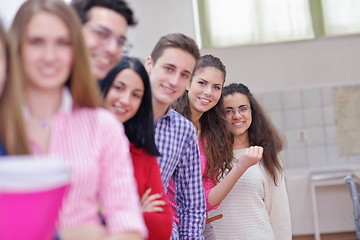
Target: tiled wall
[[306, 118]]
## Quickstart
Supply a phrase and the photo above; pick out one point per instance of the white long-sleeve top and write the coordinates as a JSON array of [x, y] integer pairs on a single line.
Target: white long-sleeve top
[[255, 209]]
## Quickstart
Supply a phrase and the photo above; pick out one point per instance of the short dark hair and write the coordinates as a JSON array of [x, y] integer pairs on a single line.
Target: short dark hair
[[82, 7], [140, 128], [175, 40]]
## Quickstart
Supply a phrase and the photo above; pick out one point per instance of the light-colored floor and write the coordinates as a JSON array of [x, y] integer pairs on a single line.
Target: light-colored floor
[[333, 236]]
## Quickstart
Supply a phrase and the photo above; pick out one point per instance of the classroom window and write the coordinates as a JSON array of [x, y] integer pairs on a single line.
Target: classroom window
[[237, 22], [341, 17]]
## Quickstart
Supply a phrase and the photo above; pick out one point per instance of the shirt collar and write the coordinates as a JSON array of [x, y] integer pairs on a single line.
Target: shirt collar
[[66, 101], [167, 114]]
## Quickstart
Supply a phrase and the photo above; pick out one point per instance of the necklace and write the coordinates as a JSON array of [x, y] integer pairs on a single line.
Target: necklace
[[43, 123]]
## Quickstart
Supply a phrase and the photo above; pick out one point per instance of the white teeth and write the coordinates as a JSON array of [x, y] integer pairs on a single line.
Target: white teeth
[[48, 71], [120, 109], [102, 60], [204, 100], [238, 124], [168, 90]]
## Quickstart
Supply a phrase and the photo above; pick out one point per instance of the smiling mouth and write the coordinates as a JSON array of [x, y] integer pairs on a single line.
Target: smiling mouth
[[168, 90], [48, 71], [238, 123], [120, 109], [204, 100], [103, 61]]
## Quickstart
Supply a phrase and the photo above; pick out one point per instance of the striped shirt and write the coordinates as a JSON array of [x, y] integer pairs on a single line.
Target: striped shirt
[[93, 144], [176, 139], [208, 183]]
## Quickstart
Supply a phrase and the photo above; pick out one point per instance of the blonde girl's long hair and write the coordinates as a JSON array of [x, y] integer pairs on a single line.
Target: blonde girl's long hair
[[12, 128]]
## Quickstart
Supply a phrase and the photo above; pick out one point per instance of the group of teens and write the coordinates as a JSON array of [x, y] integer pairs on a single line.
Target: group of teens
[[157, 150]]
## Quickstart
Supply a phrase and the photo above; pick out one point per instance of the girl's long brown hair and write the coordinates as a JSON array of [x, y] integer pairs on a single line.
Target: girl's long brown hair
[[215, 135], [262, 131], [12, 129]]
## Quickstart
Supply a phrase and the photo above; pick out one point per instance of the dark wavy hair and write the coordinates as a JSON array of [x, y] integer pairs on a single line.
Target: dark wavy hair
[[262, 131], [82, 7], [140, 128], [215, 136]]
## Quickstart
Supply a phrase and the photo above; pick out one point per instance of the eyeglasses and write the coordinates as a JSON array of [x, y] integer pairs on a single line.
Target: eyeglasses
[[241, 110], [105, 36]]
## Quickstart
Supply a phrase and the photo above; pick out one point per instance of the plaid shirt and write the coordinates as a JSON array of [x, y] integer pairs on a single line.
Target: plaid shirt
[[176, 140]]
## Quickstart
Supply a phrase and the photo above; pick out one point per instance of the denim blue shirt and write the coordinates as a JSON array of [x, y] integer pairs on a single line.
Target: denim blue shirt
[[176, 139]]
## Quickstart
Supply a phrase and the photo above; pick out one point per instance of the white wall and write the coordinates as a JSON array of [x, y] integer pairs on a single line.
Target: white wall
[[293, 64], [157, 18], [8, 9]]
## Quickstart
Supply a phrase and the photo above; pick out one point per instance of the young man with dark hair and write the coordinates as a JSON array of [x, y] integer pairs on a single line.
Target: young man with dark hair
[[105, 24]]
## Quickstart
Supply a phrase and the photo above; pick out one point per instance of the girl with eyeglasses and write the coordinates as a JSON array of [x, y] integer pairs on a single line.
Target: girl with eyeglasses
[[257, 207], [202, 105]]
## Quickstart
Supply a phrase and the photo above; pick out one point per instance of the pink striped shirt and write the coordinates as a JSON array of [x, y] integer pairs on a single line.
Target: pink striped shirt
[[208, 184], [93, 143]]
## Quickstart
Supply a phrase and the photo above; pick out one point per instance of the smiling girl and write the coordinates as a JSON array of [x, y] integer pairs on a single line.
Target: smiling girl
[[202, 105], [64, 119], [127, 94], [257, 207]]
